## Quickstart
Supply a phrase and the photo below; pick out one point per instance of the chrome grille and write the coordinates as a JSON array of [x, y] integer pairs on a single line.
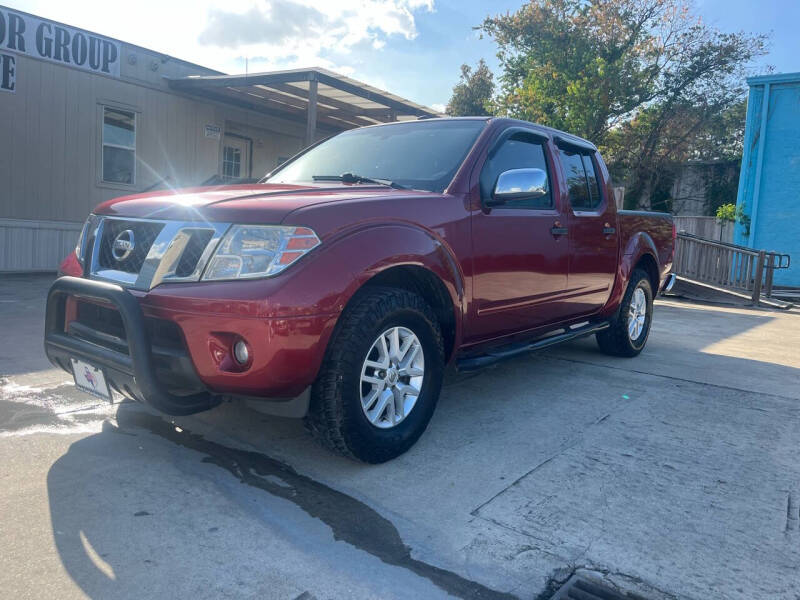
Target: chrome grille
[[163, 251], [144, 232], [193, 251]]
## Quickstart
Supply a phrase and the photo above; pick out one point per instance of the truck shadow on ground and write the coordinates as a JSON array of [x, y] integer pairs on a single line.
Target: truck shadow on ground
[[103, 574], [121, 530]]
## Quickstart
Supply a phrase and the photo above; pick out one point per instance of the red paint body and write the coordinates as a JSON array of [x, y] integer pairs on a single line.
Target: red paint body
[[506, 274]]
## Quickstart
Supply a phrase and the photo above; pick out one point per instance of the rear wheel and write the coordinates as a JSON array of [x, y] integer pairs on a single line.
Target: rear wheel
[[629, 331], [381, 377]]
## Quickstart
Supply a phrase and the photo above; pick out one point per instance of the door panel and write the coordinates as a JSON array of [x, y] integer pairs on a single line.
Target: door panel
[[593, 235], [519, 270], [519, 266]]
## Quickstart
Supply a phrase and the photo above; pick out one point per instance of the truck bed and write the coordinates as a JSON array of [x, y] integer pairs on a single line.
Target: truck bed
[[656, 225]]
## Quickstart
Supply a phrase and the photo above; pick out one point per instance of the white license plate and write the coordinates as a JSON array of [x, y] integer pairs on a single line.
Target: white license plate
[[90, 379]]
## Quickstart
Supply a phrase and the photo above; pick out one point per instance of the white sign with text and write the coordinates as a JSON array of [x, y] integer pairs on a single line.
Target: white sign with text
[[25, 34]]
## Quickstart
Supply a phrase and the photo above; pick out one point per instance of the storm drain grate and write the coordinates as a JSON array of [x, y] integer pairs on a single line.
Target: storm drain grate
[[580, 588]]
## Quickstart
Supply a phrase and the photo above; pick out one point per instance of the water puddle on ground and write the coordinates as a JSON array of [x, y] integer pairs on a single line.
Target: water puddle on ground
[[351, 520]]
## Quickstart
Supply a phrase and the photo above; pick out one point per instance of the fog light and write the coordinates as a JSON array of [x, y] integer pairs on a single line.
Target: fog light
[[241, 352]]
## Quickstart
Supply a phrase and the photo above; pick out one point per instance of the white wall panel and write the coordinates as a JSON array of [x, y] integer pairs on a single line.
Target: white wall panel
[[27, 245]]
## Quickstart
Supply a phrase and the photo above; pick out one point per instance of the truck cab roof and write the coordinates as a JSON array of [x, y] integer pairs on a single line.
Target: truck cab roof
[[550, 132]]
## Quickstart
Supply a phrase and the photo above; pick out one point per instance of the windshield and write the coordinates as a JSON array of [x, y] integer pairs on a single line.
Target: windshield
[[421, 155]]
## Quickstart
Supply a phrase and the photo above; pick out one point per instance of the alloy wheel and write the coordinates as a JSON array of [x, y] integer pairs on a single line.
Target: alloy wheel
[[391, 377], [637, 314]]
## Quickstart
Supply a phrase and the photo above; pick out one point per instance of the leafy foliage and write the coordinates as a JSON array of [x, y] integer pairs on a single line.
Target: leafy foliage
[[730, 213], [646, 81], [726, 213], [472, 95]]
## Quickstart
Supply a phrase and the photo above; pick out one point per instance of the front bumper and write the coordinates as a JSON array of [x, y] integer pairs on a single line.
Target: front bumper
[[195, 373], [130, 371]]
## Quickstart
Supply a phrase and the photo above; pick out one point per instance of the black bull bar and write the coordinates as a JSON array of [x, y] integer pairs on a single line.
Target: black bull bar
[[132, 373]]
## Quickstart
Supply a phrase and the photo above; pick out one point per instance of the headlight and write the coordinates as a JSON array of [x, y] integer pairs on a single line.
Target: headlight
[[249, 251], [86, 233]]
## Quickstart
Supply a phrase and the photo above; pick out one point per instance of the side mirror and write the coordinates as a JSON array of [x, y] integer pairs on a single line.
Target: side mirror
[[517, 184]]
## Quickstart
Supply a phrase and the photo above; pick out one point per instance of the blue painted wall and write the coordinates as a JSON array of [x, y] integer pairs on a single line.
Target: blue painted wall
[[769, 184]]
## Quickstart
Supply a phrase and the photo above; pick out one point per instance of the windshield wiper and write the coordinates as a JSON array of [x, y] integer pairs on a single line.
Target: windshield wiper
[[350, 178]]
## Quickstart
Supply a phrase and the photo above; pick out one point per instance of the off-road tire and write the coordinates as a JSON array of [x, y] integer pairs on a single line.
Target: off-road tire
[[335, 417], [615, 340]]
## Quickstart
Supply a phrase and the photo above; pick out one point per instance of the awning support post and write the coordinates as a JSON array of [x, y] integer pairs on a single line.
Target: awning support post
[[311, 122]]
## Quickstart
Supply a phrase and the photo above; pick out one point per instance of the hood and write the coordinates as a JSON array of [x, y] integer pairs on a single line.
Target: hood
[[263, 203]]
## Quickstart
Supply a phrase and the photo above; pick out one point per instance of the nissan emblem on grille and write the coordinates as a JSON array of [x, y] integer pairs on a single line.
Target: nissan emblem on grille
[[123, 245], [130, 251]]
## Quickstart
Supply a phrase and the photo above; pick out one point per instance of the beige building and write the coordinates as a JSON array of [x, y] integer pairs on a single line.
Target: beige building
[[85, 118]]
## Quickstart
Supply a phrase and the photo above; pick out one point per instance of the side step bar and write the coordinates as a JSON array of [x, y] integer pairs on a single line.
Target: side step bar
[[470, 363]]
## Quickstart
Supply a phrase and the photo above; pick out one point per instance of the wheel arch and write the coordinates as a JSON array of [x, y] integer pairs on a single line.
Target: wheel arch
[[430, 287], [395, 254], [638, 252], [648, 264], [641, 252]]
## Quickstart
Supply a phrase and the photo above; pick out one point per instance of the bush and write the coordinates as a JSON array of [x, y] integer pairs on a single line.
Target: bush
[[729, 213], [726, 213]]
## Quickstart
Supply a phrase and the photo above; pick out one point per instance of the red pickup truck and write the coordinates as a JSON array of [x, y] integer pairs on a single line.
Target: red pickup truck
[[340, 287]]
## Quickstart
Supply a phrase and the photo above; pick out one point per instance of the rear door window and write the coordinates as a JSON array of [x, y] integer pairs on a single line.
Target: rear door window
[[592, 181], [582, 181]]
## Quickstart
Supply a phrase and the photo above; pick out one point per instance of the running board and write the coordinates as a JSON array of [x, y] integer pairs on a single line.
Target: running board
[[470, 363]]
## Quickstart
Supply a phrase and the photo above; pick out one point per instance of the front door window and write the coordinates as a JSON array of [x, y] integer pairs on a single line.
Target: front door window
[[235, 158], [231, 162]]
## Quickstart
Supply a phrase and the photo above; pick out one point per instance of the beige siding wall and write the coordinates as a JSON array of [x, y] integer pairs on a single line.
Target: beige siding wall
[[50, 160], [268, 146], [50, 146], [50, 154]]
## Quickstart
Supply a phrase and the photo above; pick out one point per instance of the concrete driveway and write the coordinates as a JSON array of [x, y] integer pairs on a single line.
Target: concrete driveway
[[672, 475]]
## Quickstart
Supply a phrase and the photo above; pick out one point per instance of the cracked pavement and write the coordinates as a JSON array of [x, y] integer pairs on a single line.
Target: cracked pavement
[[672, 475]]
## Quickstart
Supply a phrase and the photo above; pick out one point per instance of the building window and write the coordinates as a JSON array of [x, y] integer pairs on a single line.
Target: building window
[[231, 162], [119, 146]]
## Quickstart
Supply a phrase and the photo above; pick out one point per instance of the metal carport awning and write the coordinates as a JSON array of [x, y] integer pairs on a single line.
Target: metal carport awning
[[316, 96]]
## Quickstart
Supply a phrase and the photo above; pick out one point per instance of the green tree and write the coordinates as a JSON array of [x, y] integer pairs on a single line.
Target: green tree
[[646, 81], [472, 95]]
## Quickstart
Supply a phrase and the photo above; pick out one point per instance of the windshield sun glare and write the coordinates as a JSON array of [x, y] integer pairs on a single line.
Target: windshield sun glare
[[422, 155]]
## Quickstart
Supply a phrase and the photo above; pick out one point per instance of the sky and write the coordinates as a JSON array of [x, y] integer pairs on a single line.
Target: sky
[[413, 48]]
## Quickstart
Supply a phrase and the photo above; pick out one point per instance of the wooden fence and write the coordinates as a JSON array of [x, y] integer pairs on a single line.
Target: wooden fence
[[737, 268], [707, 227]]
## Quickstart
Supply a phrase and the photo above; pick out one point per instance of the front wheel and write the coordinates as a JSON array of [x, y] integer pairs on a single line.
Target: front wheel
[[381, 377], [630, 329]]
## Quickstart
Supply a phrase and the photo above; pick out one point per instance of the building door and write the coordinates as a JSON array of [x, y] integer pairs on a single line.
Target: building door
[[236, 157]]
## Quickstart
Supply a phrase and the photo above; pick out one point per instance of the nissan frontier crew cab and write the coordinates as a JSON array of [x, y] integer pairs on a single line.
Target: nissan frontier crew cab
[[339, 287]]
